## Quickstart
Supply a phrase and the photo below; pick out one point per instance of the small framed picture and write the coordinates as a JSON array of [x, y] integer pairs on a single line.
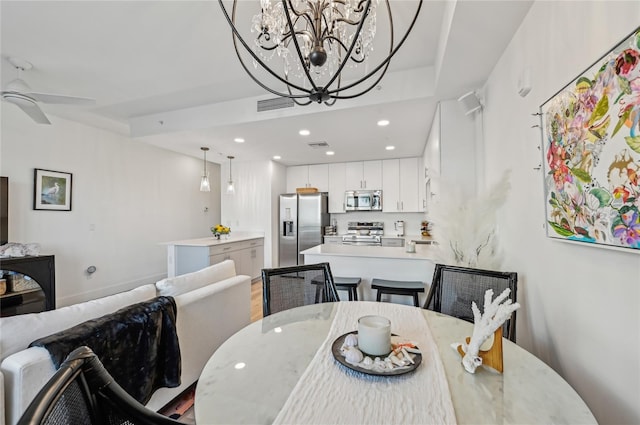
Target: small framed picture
[[52, 190]]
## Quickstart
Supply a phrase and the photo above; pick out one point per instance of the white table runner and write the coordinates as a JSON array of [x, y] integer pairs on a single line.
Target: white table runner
[[330, 393]]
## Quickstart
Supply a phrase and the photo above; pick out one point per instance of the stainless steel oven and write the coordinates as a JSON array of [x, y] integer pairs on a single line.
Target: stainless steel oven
[[363, 200], [364, 233]]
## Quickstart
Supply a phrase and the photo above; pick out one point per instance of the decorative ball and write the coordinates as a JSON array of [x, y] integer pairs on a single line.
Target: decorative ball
[[318, 56]]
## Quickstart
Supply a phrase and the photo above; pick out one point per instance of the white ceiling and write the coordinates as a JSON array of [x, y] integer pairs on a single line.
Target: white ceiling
[[165, 73]]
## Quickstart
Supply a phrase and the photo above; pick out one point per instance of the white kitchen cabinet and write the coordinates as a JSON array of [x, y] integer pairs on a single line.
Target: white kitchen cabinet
[[391, 185], [256, 257], [316, 175], [337, 187], [297, 176], [401, 187], [248, 256], [450, 154], [422, 179], [410, 183], [363, 175], [240, 259], [372, 174], [246, 250]]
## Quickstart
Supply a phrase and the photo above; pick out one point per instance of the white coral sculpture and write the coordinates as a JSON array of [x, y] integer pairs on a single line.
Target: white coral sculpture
[[496, 312]]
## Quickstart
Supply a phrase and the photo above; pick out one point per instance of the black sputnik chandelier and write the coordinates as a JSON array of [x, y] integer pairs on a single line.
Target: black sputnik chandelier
[[309, 44]]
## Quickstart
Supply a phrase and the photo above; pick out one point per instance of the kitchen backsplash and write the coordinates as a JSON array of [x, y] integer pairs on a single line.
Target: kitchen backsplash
[[412, 221]]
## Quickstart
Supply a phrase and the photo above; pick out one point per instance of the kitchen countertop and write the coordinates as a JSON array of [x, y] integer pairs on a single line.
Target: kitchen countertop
[[211, 241], [388, 235], [419, 239], [423, 252]]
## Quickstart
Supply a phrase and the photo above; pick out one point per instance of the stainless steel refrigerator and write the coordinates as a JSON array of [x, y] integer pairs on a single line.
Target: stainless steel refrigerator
[[303, 218]]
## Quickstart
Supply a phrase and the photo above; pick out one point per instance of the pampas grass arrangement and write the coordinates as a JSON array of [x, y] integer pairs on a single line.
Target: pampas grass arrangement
[[465, 227]]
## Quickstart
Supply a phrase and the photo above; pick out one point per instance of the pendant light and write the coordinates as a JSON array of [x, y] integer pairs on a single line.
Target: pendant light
[[204, 181], [230, 189]]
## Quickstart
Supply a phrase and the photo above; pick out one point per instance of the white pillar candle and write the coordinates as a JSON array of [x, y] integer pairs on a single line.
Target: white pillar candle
[[374, 335]]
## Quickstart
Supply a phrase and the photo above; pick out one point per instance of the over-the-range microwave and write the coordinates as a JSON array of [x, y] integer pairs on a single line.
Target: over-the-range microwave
[[363, 200]]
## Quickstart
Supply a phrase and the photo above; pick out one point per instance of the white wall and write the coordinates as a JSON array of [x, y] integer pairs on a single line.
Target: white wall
[[134, 195], [457, 147], [278, 186], [452, 153], [580, 304], [251, 207]]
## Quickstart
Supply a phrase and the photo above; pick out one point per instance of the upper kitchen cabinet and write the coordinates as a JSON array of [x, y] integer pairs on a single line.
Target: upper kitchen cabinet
[[337, 187], [319, 177], [316, 175], [364, 175], [450, 154], [402, 185]]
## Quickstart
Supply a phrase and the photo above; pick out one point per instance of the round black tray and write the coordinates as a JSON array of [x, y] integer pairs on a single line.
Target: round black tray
[[337, 344]]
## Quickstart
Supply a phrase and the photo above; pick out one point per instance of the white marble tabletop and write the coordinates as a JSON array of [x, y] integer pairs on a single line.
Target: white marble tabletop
[[249, 378]]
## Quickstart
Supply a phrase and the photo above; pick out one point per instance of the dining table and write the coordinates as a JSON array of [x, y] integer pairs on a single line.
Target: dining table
[[283, 369]]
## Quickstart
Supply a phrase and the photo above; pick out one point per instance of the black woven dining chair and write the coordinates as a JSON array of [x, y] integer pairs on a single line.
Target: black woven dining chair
[[295, 286], [83, 392], [454, 288]]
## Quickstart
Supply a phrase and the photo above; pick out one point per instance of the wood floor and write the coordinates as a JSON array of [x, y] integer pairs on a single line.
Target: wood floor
[[256, 300]]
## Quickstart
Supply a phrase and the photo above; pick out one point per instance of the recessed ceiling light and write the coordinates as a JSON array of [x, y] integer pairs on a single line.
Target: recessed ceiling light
[[238, 140], [277, 157], [331, 153], [383, 123], [240, 365], [304, 132], [390, 148]]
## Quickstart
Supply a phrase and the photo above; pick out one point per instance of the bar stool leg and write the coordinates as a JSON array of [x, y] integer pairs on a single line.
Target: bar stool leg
[[378, 297], [415, 299], [355, 293]]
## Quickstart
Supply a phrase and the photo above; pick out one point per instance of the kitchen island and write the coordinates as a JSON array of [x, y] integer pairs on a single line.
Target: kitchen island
[[369, 262], [246, 249]]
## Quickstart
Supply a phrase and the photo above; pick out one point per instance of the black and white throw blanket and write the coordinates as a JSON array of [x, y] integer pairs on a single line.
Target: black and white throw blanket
[[138, 345]]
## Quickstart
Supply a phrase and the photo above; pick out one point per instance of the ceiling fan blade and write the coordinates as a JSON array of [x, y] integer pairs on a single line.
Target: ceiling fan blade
[[29, 107], [60, 99]]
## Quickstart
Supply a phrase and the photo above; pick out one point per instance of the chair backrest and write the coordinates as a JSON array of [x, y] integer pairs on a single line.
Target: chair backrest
[[454, 288], [83, 392], [295, 286]]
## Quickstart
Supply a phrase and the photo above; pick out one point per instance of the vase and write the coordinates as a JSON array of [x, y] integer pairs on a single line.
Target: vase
[[217, 236]]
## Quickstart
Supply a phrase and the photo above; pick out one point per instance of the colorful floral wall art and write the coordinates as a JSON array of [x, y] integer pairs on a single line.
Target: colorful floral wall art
[[591, 141]]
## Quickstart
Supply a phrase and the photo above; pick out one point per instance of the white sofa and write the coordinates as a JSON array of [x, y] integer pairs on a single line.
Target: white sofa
[[212, 304]]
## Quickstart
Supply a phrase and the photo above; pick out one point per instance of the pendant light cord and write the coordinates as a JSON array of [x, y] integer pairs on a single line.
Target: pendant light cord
[[230, 158]]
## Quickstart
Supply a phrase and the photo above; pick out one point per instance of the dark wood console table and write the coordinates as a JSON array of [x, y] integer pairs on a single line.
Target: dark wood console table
[[39, 268]]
